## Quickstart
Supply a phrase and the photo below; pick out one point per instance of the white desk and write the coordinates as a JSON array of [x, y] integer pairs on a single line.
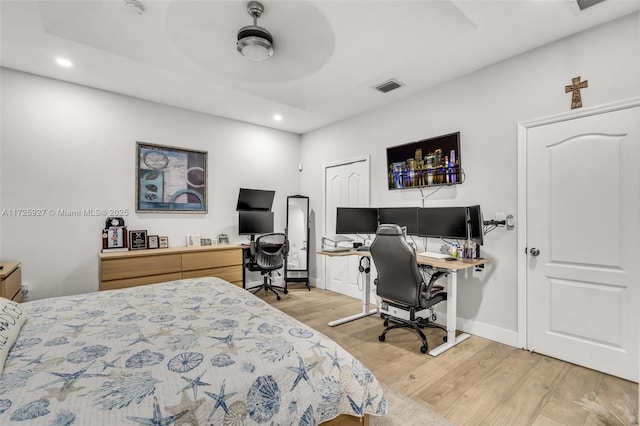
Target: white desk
[[366, 293], [452, 293]]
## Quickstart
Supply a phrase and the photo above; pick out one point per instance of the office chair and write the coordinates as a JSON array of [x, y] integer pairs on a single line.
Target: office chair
[[268, 252], [406, 294]]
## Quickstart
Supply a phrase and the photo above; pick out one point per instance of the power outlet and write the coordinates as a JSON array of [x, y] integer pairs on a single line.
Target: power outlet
[[511, 220]]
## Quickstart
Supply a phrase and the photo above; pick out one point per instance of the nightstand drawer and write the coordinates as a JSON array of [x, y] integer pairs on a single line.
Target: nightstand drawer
[[12, 284]]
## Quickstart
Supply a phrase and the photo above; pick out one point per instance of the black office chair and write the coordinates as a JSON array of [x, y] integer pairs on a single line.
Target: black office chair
[[405, 292], [268, 252]]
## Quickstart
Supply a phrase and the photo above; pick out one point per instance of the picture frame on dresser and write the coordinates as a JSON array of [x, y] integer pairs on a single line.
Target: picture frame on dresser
[[137, 240], [163, 242], [170, 179], [152, 242]]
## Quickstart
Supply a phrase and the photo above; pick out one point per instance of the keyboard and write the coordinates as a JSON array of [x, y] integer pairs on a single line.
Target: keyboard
[[434, 255]]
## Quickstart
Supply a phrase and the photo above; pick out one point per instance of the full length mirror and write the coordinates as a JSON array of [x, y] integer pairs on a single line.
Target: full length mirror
[[297, 269]]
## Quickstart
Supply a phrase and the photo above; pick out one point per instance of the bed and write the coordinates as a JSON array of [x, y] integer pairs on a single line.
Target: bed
[[198, 351]]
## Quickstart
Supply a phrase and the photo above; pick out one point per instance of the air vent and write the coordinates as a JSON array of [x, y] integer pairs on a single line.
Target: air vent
[[388, 86], [584, 4]]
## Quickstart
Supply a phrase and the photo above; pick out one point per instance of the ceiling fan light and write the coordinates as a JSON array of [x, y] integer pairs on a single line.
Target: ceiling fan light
[[255, 43]]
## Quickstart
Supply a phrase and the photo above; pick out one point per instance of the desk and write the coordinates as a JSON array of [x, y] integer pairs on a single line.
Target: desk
[[452, 293], [366, 298]]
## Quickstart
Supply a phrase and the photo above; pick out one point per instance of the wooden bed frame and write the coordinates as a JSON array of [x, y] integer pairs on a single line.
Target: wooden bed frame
[[347, 420]]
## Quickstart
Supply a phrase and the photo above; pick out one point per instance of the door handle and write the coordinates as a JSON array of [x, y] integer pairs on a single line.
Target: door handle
[[534, 251]]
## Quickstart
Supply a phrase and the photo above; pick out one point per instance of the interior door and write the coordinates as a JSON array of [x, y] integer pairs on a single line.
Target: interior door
[[346, 185], [583, 241]]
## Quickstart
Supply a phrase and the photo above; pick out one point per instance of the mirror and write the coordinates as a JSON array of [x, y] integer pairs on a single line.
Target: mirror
[[297, 266]]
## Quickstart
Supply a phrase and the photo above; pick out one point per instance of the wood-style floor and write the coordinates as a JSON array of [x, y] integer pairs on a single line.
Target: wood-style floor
[[478, 382]]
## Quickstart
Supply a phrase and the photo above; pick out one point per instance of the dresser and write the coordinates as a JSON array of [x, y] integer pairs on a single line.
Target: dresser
[[11, 281], [140, 267]]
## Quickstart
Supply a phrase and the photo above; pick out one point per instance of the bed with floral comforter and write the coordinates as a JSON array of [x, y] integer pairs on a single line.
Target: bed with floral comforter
[[199, 351]]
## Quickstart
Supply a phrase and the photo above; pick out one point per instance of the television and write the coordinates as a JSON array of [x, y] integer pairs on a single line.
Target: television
[[429, 162], [251, 222], [443, 222], [476, 224], [402, 216], [356, 220], [255, 199]]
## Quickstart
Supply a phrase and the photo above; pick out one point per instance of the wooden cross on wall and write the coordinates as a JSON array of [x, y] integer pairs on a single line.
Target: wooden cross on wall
[[576, 98]]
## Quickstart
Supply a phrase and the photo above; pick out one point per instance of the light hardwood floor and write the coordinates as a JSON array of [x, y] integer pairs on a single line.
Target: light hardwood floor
[[479, 382]]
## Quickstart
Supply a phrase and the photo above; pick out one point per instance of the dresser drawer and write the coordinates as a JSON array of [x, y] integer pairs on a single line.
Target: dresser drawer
[[131, 267], [11, 285], [211, 259], [132, 282], [227, 273]]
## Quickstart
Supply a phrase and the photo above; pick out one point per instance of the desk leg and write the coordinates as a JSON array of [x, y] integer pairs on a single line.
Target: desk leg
[[452, 297], [366, 300]]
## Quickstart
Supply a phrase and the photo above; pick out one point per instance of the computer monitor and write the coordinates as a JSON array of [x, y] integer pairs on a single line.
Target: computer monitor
[[402, 216], [255, 199], [356, 220], [443, 222], [476, 224], [254, 222]]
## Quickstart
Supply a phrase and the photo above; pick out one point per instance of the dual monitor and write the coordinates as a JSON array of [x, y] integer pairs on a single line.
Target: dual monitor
[[435, 222], [254, 211]]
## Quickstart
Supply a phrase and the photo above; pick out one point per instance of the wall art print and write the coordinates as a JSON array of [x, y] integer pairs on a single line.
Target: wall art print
[[170, 179]]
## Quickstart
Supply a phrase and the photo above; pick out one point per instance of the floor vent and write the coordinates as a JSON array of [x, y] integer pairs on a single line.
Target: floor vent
[[584, 4], [388, 86]]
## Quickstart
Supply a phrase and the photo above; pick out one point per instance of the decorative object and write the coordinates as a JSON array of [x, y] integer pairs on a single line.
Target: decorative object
[[205, 242], [137, 240], [170, 179], [114, 221], [152, 242], [574, 88], [114, 238], [255, 42], [163, 242], [193, 240], [223, 239]]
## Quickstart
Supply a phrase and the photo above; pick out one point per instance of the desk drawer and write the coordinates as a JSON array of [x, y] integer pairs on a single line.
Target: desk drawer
[[130, 267], [12, 284], [211, 259]]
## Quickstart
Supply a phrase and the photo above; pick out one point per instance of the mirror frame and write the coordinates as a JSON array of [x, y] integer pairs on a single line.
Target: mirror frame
[[298, 275]]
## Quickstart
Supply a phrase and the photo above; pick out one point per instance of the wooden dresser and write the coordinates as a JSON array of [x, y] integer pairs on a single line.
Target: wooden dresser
[[139, 267], [11, 281]]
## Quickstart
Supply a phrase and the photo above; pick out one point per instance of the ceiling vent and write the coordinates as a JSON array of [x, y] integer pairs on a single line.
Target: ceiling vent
[[584, 4], [388, 86]]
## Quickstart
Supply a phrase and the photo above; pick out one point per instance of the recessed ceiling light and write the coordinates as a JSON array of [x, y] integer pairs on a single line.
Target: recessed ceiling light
[[64, 62], [277, 117]]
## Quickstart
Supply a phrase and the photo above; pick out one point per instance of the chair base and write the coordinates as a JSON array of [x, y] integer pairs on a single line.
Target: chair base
[[267, 286], [416, 325]]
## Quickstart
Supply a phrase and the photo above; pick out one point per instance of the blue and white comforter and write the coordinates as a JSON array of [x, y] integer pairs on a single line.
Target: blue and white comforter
[[199, 352]]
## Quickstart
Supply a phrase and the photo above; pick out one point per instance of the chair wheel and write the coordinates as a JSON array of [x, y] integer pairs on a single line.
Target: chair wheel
[[381, 337], [386, 323], [286, 291], [444, 339], [278, 297], [423, 349]]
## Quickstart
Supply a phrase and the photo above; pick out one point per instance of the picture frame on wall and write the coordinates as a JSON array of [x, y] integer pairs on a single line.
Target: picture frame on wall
[[152, 242], [163, 242], [170, 179], [137, 240]]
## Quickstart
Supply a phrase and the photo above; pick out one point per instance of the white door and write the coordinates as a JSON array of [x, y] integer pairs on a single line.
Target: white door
[[583, 240], [346, 185]]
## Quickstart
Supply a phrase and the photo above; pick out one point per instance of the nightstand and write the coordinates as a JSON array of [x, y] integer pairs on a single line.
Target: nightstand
[[11, 281]]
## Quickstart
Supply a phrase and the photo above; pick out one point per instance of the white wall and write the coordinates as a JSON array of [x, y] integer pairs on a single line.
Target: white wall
[[72, 147], [485, 107]]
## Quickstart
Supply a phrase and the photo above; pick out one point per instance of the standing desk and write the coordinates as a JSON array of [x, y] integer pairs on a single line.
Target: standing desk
[[452, 293]]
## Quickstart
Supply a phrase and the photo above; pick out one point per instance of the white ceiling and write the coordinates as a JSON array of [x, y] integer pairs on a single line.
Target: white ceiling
[[328, 54]]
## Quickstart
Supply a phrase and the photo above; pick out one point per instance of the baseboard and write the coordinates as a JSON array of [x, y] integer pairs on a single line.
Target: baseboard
[[480, 329]]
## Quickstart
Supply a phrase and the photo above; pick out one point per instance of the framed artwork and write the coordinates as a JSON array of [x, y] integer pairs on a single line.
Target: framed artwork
[[170, 179], [152, 242], [163, 242], [137, 240]]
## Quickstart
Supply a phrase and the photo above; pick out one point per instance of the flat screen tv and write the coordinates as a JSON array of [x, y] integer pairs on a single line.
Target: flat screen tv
[[476, 224], [443, 222], [402, 216], [255, 199], [356, 220], [254, 222], [429, 162]]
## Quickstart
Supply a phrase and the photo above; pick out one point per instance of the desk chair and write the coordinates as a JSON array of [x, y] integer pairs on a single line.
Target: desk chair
[[268, 252], [406, 294]]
